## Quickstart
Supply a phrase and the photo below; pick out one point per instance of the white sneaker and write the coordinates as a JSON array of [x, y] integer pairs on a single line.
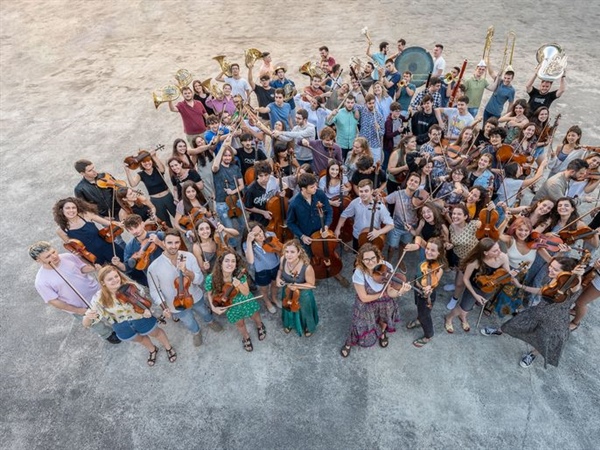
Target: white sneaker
[[452, 303], [271, 309], [449, 287]]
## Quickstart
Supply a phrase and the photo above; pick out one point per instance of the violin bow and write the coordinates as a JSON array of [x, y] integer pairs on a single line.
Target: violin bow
[[163, 303], [336, 240], [245, 301], [237, 189], [387, 284], [577, 219], [71, 286]]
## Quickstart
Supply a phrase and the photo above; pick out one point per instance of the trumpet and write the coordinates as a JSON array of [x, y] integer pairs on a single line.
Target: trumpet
[[401, 83], [165, 94], [223, 64], [510, 40]]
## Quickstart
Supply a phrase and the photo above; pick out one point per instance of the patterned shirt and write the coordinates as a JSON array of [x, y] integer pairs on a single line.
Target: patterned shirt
[[367, 126], [437, 99]]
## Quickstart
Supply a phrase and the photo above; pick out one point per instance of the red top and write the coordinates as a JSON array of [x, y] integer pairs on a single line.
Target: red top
[[193, 117]]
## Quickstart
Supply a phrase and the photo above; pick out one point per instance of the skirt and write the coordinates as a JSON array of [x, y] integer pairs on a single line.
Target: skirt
[[365, 328], [307, 318]]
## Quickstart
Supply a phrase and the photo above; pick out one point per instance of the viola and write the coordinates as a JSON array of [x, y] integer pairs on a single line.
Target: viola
[[107, 181], [232, 204], [228, 293], [548, 241], [272, 245], [278, 206], [506, 153], [571, 236], [325, 260], [382, 274], [77, 247], [129, 293], [558, 289], [142, 256], [291, 301], [488, 218], [110, 232], [189, 221], [183, 299]]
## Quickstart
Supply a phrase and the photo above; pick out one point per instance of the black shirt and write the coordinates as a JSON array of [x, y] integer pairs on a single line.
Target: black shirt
[[102, 198]]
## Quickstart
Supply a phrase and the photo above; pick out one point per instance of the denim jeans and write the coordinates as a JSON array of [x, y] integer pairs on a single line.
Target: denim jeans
[[377, 154], [228, 222], [187, 316]]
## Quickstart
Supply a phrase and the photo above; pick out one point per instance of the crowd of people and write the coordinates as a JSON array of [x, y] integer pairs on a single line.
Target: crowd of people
[[271, 183]]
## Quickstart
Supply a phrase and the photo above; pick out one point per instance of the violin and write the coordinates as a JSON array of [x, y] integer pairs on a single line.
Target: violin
[[76, 247], [142, 256], [558, 289], [548, 241], [129, 293], [431, 278], [188, 222], [589, 276], [382, 274], [272, 245], [110, 232], [107, 181], [548, 131], [156, 225], [325, 260], [134, 162], [232, 204], [419, 198], [183, 299], [291, 301], [488, 218], [570, 236], [278, 206], [592, 176], [500, 277], [225, 298], [363, 237]]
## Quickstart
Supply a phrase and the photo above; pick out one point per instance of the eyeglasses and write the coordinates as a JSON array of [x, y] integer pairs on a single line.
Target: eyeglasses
[[367, 260]]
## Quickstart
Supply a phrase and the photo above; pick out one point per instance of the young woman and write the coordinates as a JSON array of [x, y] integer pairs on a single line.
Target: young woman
[[484, 259], [427, 181], [152, 175], [543, 132], [566, 152], [132, 202], [397, 166], [296, 274], [266, 264], [425, 296], [477, 199], [180, 150], [483, 137], [360, 148], [515, 120], [463, 145], [205, 246], [538, 213], [382, 101], [453, 190], [201, 95], [590, 293], [545, 326], [204, 154], [375, 313], [287, 162], [480, 173], [333, 181], [192, 198], [228, 270], [431, 224], [180, 173], [75, 219], [128, 324], [525, 143]]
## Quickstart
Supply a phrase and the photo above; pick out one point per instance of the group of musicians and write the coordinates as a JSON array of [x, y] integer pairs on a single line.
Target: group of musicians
[[259, 203]]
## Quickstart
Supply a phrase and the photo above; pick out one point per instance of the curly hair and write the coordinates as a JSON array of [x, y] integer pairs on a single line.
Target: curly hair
[[82, 208], [217, 273], [359, 264], [302, 255]]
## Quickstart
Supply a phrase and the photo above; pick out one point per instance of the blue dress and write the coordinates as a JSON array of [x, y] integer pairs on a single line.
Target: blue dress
[[88, 235]]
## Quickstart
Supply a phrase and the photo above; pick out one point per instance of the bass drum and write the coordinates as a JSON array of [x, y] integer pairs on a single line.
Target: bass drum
[[416, 60]]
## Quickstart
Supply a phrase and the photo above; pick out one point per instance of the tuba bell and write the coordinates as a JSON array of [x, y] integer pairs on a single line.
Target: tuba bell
[[553, 62], [183, 78], [223, 64], [251, 56], [165, 94]]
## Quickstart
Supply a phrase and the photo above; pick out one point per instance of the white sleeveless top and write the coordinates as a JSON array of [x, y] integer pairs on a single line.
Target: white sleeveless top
[[515, 257]]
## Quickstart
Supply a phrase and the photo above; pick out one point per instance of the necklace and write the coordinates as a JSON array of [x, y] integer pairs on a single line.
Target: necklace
[[291, 269]]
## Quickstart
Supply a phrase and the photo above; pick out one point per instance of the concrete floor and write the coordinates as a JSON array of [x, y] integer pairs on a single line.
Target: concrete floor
[[76, 82]]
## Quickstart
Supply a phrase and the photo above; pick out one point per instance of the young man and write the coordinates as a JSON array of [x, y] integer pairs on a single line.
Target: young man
[[346, 123], [216, 133], [439, 63], [457, 118], [192, 114], [140, 242], [365, 170], [392, 133], [281, 81], [503, 92], [52, 283], [428, 150], [372, 126], [433, 90], [422, 121], [162, 274], [361, 209], [316, 87], [239, 85], [378, 58], [447, 87], [278, 110], [543, 96], [367, 80], [302, 130], [323, 149], [260, 192], [326, 58], [557, 186], [87, 189], [265, 93], [405, 94], [357, 91], [249, 154], [392, 78], [475, 86], [405, 217]]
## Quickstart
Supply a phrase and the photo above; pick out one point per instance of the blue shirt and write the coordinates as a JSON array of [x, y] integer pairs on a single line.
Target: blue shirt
[[367, 126], [303, 218], [501, 95], [134, 245], [281, 113]]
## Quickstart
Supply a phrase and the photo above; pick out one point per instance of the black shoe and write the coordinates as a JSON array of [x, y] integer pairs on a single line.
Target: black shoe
[[113, 339]]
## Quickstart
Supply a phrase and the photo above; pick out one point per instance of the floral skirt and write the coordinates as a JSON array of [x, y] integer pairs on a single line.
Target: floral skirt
[[367, 319]]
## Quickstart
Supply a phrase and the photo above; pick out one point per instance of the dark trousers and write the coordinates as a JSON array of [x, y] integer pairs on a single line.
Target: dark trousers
[[424, 313]]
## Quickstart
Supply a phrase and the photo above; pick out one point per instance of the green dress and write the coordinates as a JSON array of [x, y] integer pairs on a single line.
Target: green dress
[[307, 318], [236, 313]]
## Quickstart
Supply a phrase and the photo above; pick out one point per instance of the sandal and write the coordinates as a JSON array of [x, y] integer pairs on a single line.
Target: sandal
[[287, 330], [171, 354], [465, 326], [262, 332], [421, 342], [449, 327], [307, 333], [247, 343], [573, 326], [383, 340], [152, 356], [345, 351], [413, 324]]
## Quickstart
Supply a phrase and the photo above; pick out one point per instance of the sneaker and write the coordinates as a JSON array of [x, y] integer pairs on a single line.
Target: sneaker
[[449, 287], [452, 303], [278, 303], [527, 360], [113, 339], [215, 326], [271, 309], [198, 339], [489, 331]]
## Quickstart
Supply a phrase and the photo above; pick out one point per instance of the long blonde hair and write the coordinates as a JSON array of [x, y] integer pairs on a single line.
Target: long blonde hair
[[106, 297]]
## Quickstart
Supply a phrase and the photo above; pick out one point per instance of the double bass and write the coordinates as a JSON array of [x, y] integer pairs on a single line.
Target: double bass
[[278, 206], [325, 260]]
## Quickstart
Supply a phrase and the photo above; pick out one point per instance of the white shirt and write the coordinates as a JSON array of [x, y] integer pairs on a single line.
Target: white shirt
[[239, 86], [362, 216], [439, 64]]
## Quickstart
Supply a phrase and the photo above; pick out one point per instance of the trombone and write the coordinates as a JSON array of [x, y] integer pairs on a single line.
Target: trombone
[[507, 59]]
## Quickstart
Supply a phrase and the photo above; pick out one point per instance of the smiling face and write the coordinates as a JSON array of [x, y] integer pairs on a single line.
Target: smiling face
[[543, 115], [172, 244], [458, 216], [175, 167], [427, 214], [474, 196], [519, 110], [369, 259], [529, 132], [70, 210], [334, 171], [564, 208], [432, 252], [554, 269], [544, 207], [229, 263], [181, 147], [204, 231], [522, 232], [291, 254], [112, 281], [484, 162]]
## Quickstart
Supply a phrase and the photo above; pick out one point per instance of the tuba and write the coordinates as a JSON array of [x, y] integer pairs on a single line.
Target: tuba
[[165, 94], [553, 62], [251, 56], [183, 78], [223, 64]]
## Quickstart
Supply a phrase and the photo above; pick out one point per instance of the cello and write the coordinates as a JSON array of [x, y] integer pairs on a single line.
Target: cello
[[325, 260], [344, 199], [363, 237], [278, 206]]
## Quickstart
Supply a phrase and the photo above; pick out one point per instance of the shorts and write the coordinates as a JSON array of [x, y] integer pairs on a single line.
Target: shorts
[[596, 282], [396, 236], [129, 329], [266, 277], [539, 151], [467, 302]]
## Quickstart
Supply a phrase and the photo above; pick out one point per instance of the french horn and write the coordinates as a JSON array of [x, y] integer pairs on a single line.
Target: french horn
[[183, 78], [223, 64], [310, 69], [165, 94], [251, 56]]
